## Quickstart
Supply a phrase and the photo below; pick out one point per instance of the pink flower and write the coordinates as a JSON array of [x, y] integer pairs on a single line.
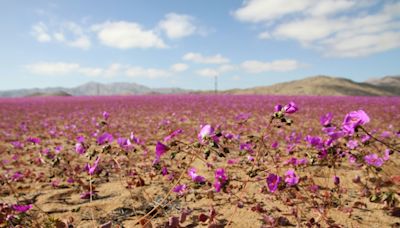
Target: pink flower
[[326, 119], [17, 176], [87, 194], [206, 132], [106, 115], [290, 108], [273, 181], [160, 150], [104, 138], [386, 155], [275, 145], [353, 120], [374, 160], [79, 148], [33, 140], [278, 108], [352, 144], [291, 178], [91, 169], [220, 179], [164, 171], [336, 180], [195, 177], [21, 208], [173, 134], [180, 189]]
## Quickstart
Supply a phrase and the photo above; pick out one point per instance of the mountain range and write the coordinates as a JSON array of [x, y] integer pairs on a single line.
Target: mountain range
[[316, 85]]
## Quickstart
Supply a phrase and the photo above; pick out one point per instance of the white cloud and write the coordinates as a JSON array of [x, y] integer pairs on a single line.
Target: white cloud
[[199, 58], [327, 26], [254, 66], [309, 29], [92, 72], [57, 68], [264, 35], [113, 70], [40, 32], [59, 36], [177, 25], [236, 78], [124, 35], [207, 72], [146, 72], [82, 42], [68, 33], [363, 45], [330, 7], [179, 67], [266, 10], [211, 72]]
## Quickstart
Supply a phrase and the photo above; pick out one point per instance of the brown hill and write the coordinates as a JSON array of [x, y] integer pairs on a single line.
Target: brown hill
[[318, 86], [388, 83], [50, 94]]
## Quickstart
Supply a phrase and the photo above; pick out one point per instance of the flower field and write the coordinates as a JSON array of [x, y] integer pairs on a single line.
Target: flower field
[[200, 161]]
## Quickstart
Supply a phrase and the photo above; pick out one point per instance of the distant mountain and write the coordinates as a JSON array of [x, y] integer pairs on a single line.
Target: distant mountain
[[50, 94], [388, 83], [93, 89], [317, 85], [327, 86]]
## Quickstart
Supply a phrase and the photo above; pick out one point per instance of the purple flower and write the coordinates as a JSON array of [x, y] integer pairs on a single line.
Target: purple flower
[[180, 189], [353, 120], [91, 169], [164, 171], [106, 115], [17, 176], [21, 208], [135, 139], [232, 161], [17, 144], [220, 179], [79, 148], [87, 194], [246, 147], [278, 108], [352, 144], [173, 134], [365, 138], [124, 143], [314, 141], [326, 119], [206, 131], [33, 140], [291, 178], [336, 180], [314, 188], [160, 150], [290, 108], [58, 149], [386, 155], [80, 139], [296, 162], [374, 160], [275, 145], [104, 138], [195, 177], [273, 181]]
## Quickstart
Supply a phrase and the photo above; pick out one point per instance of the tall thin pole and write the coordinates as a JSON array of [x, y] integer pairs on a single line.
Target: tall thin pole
[[216, 84]]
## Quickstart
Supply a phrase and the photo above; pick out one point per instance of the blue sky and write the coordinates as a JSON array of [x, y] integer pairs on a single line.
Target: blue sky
[[185, 43]]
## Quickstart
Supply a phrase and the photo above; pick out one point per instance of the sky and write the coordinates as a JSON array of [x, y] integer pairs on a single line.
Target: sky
[[186, 43]]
